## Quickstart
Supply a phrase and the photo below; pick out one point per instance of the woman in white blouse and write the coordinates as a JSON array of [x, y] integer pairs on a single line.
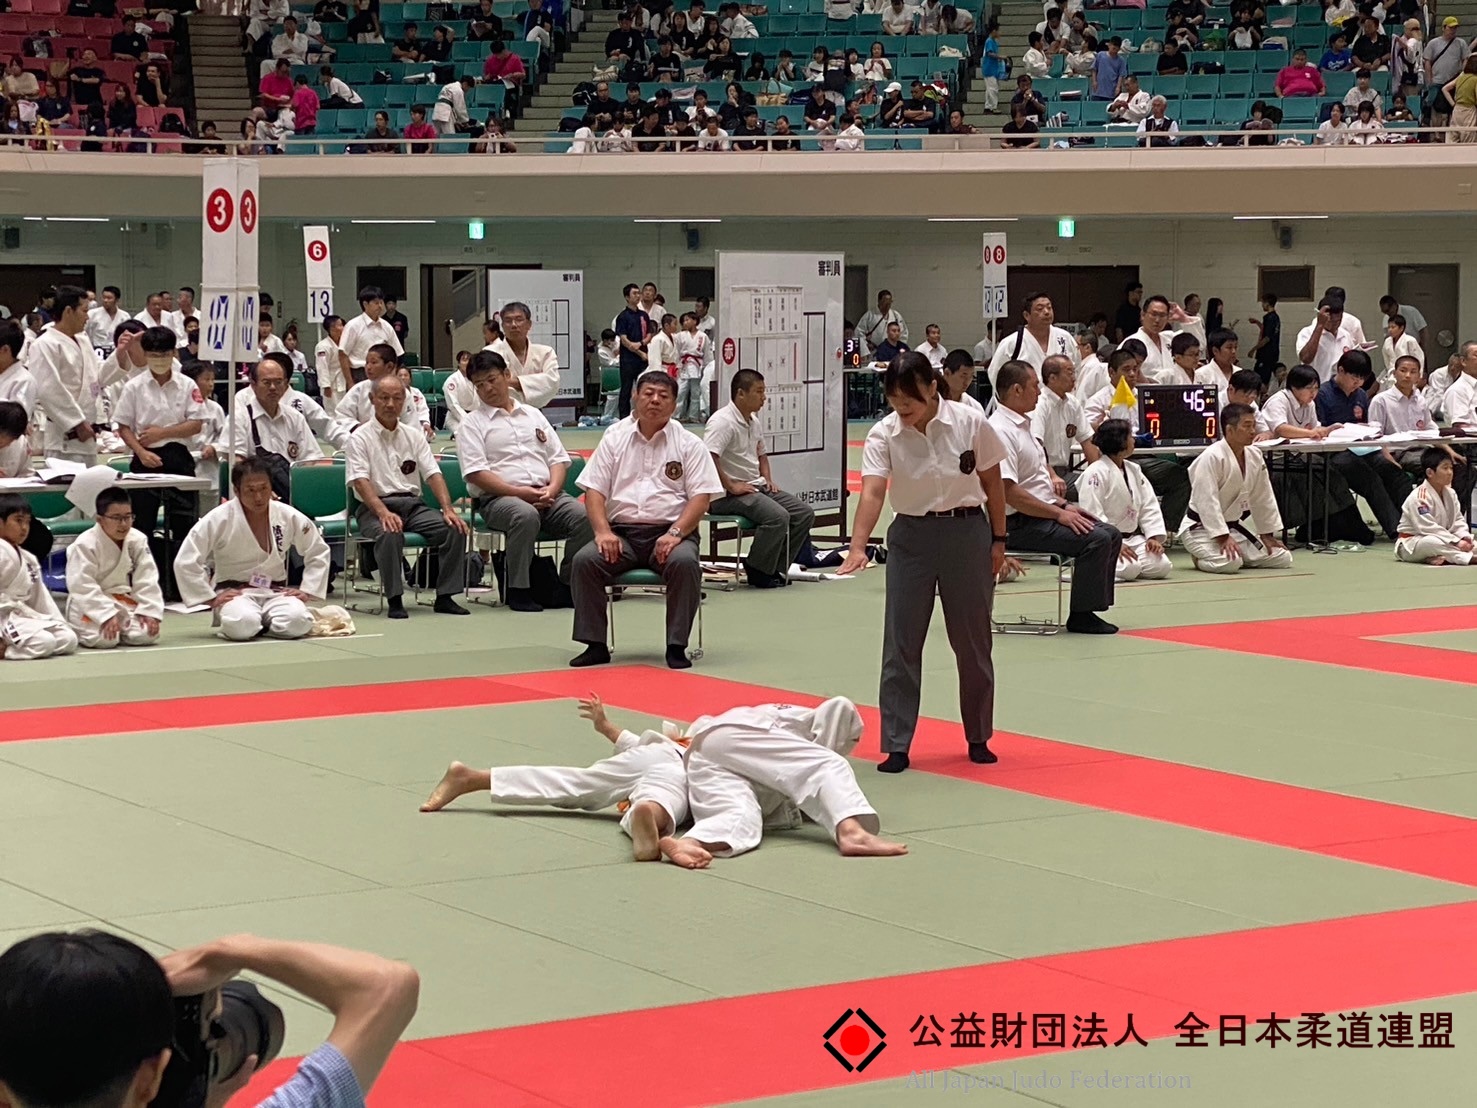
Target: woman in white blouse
[[1332, 132], [877, 67]]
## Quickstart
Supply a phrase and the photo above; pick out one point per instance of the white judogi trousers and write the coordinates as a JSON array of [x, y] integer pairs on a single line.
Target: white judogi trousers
[[131, 631], [739, 780], [29, 635], [1422, 548], [646, 767], [258, 610], [1147, 567]]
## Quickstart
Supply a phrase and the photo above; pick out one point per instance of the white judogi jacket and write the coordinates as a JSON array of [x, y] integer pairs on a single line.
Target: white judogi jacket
[[538, 377], [1437, 515], [356, 407], [461, 397], [1122, 498], [1224, 498], [223, 541], [1031, 351], [23, 590], [67, 388], [99, 571]]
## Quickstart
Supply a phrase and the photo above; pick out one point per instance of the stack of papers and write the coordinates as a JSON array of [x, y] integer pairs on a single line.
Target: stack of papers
[[1353, 432]]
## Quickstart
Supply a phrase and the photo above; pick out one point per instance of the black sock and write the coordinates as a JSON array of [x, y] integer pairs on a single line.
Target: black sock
[[895, 762], [677, 657]]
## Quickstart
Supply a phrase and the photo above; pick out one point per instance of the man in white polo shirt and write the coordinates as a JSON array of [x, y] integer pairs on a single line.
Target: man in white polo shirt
[[368, 329], [103, 320], [933, 347], [533, 369], [647, 488], [1327, 339], [1058, 421], [1154, 334], [782, 521], [266, 426], [386, 463], [510, 454], [1037, 339]]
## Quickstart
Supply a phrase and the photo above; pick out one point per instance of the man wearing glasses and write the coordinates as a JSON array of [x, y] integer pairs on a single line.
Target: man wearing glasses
[[1153, 333]]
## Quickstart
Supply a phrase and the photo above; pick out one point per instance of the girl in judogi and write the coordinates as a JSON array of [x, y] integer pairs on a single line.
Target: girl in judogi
[[1116, 491], [1233, 517], [644, 779], [1433, 528], [113, 593], [31, 626]]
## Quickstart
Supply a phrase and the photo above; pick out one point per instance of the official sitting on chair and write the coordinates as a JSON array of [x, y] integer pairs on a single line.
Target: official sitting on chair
[[1038, 517], [782, 522], [235, 560], [1229, 488], [647, 488], [385, 463], [510, 454], [266, 428]]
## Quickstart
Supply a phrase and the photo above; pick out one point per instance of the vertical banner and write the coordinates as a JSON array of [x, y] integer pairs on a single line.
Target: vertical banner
[[995, 261], [228, 258], [782, 314], [556, 301], [318, 265]]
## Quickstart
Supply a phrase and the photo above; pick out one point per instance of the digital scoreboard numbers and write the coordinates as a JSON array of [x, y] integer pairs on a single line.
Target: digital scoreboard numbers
[[1179, 415]]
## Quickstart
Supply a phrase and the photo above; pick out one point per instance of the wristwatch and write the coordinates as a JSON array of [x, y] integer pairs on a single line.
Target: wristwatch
[[998, 538], [674, 531]]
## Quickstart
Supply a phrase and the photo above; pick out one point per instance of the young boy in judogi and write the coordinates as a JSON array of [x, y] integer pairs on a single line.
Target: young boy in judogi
[[31, 626], [211, 441], [1116, 491], [644, 778], [113, 593], [1433, 527], [1229, 489]]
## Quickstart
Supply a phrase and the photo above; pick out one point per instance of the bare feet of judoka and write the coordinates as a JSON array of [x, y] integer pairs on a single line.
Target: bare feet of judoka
[[684, 853], [458, 781], [648, 822], [855, 841]]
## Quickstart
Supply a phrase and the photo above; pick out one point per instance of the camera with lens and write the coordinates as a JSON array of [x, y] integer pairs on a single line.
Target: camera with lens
[[214, 1035]]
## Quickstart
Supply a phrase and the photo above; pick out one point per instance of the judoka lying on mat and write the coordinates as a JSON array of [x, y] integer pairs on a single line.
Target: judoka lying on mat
[[750, 768]]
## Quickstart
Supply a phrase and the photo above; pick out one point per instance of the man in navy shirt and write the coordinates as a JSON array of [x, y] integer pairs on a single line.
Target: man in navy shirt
[[632, 329], [1370, 470], [890, 347]]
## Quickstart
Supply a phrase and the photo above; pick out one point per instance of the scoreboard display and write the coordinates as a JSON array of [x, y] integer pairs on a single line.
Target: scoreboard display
[[1179, 415]]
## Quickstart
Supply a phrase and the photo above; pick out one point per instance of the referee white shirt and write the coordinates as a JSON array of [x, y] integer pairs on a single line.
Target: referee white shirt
[[517, 446], [933, 470], [650, 480], [287, 433], [1024, 460], [361, 332], [148, 402], [394, 461], [1057, 422]]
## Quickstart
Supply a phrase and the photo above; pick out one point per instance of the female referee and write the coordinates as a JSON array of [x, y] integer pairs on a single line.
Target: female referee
[[942, 463]]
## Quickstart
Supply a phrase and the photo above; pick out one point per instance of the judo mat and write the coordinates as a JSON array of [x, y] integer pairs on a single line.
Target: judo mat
[[1248, 819]]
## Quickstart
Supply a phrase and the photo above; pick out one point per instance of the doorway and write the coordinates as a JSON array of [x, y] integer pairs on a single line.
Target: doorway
[[856, 300], [454, 307], [1076, 291], [21, 285], [1433, 289]]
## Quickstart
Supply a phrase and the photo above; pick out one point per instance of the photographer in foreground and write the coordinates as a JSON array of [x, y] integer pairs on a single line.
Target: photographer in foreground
[[91, 1020]]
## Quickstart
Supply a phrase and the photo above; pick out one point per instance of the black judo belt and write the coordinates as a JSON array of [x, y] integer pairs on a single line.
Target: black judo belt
[[1235, 525]]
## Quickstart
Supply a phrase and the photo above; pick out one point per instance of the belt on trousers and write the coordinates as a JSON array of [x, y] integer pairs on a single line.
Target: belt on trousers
[[1235, 525], [953, 513], [246, 585]]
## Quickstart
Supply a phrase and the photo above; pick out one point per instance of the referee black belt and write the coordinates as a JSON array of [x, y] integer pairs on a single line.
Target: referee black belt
[[955, 513], [1237, 525]]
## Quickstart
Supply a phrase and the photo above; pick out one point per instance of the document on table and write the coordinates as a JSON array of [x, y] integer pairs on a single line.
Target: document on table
[[1353, 432], [1414, 436], [1267, 444]]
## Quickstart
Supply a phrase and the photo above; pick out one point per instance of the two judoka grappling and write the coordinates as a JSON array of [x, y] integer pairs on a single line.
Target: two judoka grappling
[[737, 774]]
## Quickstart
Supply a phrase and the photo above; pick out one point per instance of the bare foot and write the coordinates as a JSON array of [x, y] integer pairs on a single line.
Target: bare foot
[[855, 841], [646, 832], [1436, 561], [684, 853], [458, 781]]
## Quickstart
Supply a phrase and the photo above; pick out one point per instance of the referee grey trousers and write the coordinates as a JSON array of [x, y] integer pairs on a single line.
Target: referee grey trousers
[[1095, 555], [950, 555]]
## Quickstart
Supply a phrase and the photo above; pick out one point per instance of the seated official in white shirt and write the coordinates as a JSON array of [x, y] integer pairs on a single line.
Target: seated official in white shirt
[[1038, 518], [782, 521], [1402, 408], [933, 347], [113, 593], [367, 329], [1233, 520], [533, 368], [1116, 491], [959, 372], [1059, 420], [1433, 524], [356, 407], [647, 487], [266, 428], [1327, 339], [385, 463], [235, 560], [510, 454]]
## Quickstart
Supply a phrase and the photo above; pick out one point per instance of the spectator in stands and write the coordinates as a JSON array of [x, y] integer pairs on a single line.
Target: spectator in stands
[[820, 112], [1365, 129], [1338, 12], [1462, 92], [331, 11], [669, 112], [735, 100], [1109, 71], [53, 106], [1157, 127], [210, 143], [276, 89], [749, 134], [1177, 30], [1259, 120], [450, 114], [735, 24], [919, 110], [1332, 132], [1028, 100], [1299, 78], [684, 36], [1034, 61], [815, 69], [1406, 67], [291, 43], [1081, 59], [605, 108], [1444, 59], [340, 95], [877, 67], [955, 21], [1338, 57], [1372, 48], [928, 18], [494, 138], [439, 48], [19, 84], [722, 63], [624, 45], [851, 138], [1245, 34], [784, 140], [381, 139], [122, 113], [711, 137], [897, 19], [758, 70], [85, 81], [503, 65], [364, 25], [421, 130], [1133, 104], [665, 64], [1399, 111], [1363, 92], [634, 103], [304, 105], [1023, 125], [129, 45], [1053, 33], [411, 47], [992, 66], [956, 125]]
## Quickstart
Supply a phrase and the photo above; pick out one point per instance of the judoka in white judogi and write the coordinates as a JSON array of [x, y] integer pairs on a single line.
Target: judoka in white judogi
[[108, 582], [31, 626], [256, 576], [1432, 526], [1120, 495], [1227, 499]]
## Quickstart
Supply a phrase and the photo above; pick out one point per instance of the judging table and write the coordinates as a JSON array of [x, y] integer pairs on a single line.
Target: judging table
[[34, 486]]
